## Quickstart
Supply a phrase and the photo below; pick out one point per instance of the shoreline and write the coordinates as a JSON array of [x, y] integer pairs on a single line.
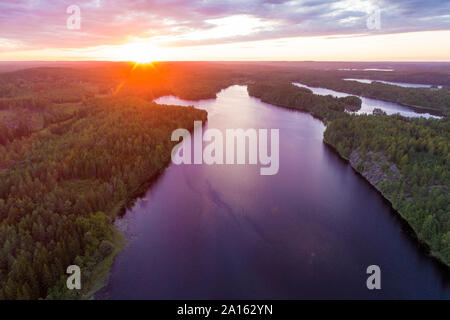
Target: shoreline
[[101, 280], [415, 108], [421, 243], [103, 268]]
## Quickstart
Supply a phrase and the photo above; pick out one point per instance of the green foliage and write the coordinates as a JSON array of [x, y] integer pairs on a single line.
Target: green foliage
[[58, 201], [290, 96], [423, 99]]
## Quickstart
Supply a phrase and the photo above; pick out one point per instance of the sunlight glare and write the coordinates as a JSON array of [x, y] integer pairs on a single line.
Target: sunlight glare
[[140, 53]]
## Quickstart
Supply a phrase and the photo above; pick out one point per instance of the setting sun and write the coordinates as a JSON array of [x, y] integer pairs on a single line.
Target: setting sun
[[142, 58], [143, 61], [141, 53]]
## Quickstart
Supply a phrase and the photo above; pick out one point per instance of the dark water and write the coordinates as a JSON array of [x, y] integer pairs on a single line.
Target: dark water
[[226, 232]]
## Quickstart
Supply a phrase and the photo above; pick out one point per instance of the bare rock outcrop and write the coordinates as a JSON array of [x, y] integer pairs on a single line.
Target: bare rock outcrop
[[375, 167]]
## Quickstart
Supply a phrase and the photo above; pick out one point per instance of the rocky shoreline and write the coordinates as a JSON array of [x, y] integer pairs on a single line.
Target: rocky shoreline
[[375, 168]]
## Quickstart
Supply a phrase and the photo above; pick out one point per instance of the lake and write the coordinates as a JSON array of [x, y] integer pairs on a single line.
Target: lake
[[368, 105], [226, 232], [400, 84]]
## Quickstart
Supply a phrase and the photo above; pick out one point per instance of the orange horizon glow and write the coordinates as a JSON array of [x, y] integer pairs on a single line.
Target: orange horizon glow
[[414, 46], [290, 30]]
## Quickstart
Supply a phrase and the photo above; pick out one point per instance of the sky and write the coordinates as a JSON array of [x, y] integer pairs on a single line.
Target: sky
[[156, 30]]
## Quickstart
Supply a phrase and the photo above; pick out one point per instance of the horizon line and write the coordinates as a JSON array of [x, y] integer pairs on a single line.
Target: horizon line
[[249, 60]]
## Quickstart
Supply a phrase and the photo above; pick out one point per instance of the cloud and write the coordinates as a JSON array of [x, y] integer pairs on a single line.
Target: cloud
[[39, 24]]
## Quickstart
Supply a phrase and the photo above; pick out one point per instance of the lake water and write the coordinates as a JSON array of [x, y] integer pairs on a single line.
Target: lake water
[[368, 105], [367, 69], [401, 84], [226, 232]]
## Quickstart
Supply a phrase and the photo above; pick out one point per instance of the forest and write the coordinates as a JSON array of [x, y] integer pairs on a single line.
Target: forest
[[66, 183], [422, 99], [290, 96]]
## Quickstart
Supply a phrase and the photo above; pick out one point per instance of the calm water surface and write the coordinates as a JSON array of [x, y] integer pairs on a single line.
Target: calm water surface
[[400, 84], [225, 232]]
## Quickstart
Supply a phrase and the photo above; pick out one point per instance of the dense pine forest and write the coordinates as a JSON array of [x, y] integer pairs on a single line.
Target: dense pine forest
[[65, 184]]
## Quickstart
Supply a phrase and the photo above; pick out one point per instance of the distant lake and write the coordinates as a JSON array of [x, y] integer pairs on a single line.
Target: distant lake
[[368, 105], [366, 69], [400, 84], [226, 232]]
